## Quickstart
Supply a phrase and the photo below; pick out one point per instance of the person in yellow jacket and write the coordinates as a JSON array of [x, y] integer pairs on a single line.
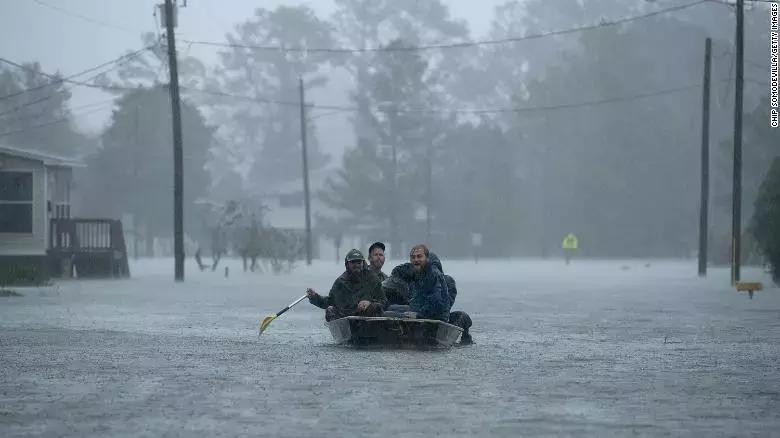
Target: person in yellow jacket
[[570, 246]]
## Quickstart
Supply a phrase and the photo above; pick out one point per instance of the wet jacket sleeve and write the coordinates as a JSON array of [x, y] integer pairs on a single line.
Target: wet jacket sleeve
[[324, 302], [452, 289], [435, 305], [378, 294], [393, 297]]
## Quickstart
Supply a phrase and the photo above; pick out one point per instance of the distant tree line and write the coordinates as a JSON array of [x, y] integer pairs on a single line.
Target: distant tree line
[[593, 132]]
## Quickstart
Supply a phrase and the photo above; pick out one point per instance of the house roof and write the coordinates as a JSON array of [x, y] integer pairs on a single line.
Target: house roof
[[45, 157]]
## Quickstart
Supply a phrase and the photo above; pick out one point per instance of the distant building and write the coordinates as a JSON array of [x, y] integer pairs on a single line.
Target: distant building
[[287, 211], [36, 229], [34, 188]]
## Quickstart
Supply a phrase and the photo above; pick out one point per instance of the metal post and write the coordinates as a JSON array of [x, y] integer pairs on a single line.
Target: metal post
[[736, 224], [305, 176], [178, 211], [705, 160], [136, 204]]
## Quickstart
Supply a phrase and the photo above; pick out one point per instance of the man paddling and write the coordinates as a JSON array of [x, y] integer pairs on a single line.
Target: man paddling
[[357, 292]]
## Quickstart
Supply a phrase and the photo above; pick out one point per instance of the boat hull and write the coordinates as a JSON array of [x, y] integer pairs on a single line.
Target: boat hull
[[393, 332]]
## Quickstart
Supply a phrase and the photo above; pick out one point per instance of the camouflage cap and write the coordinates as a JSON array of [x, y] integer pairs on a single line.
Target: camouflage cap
[[353, 254]]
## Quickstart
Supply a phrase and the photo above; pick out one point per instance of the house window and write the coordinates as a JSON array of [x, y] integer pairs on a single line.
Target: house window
[[291, 200], [16, 202]]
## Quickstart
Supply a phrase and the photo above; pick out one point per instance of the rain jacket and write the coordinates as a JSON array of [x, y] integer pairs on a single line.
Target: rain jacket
[[381, 275], [425, 292], [570, 242], [452, 289], [348, 290]]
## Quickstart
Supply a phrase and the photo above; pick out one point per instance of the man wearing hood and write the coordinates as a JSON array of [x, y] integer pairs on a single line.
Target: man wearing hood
[[357, 292], [418, 289], [398, 291]]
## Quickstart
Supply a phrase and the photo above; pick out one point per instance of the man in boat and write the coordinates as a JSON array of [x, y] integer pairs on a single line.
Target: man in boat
[[376, 259], [418, 289], [357, 292], [398, 294]]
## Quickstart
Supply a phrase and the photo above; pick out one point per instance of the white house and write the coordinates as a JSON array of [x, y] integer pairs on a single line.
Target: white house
[[34, 188]]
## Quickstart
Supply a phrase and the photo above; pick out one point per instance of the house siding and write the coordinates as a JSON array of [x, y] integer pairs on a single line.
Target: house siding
[[23, 243]]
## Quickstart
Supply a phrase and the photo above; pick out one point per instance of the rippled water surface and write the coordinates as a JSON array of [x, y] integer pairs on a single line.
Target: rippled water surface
[[596, 348]]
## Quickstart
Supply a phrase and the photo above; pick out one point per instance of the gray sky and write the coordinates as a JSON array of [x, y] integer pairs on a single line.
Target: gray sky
[[62, 41]]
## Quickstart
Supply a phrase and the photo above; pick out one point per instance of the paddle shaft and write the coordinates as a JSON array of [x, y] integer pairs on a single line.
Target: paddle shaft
[[290, 306]]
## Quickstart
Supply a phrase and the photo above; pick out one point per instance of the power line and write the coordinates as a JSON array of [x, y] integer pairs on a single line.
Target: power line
[[756, 65], [389, 109], [84, 83], [85, 18], [88, 105], [50, 96], [262, 100], [327, 114], [755, 81], [68, 79], [451, 45], [18, 108], [336, 109], [50, 123], [580, 104]]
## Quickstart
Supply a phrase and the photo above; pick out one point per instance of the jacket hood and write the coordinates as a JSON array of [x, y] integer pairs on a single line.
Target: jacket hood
[[435, 261]]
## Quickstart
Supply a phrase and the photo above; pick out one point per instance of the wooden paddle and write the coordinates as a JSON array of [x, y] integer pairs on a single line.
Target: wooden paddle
[[267, 320]]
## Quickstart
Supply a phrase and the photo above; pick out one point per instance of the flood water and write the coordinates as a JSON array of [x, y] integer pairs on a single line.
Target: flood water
[[600, 348]]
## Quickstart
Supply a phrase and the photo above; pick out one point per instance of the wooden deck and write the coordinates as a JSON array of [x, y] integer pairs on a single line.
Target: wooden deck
[[95, 247]]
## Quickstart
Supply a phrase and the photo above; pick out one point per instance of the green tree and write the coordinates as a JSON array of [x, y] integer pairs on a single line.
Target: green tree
[[266, 127], [476, 189], [150, 69], [765, 225], [133, 171], [383, 176], [375, 23], [621, 174], [38, 119], [759, 148]]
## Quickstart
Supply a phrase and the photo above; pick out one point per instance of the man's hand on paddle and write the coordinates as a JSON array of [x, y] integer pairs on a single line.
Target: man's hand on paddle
[[310, 293], [363, 305]]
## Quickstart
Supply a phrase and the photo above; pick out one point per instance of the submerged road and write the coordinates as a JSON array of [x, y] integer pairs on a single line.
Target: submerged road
[[607, 348]]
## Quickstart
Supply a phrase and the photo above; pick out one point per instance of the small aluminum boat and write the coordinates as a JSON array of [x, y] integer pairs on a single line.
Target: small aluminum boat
[[393, 332]]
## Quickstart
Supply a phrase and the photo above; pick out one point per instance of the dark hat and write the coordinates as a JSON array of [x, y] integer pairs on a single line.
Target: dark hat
[[353, 254], [376, 245]]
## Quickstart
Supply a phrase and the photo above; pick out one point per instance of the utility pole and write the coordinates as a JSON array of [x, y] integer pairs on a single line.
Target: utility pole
[[178, 210], [305, 175], [136, 204], [705, 160], [736, 206]]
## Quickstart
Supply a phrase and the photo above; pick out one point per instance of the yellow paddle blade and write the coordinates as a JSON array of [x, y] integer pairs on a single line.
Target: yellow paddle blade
[[266, 322]]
